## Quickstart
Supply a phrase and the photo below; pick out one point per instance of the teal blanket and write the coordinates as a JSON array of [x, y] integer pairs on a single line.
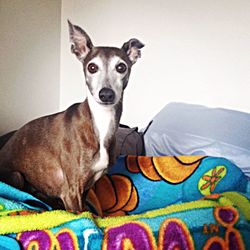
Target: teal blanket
[[205, 206]]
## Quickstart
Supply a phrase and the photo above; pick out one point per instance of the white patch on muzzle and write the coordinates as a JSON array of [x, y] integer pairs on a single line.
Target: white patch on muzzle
[[106, 77]]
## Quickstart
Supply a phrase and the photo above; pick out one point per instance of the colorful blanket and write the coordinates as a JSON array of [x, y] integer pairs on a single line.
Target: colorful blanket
[[191, 203], [138, 184]]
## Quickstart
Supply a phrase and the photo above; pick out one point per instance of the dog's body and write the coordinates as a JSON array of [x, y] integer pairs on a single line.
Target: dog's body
[[63, 154]]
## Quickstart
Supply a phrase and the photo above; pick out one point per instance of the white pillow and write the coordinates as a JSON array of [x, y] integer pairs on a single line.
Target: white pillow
[[186, 129]]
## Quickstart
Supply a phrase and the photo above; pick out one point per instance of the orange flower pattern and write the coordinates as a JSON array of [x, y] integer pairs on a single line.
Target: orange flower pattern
[[212, 180]]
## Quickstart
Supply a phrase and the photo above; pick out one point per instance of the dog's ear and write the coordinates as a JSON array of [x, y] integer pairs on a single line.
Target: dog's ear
[[81, 43], [132, 49]]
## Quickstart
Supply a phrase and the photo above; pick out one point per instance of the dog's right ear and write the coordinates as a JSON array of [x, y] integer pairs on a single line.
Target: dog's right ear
[[132, 49], [81, 43]]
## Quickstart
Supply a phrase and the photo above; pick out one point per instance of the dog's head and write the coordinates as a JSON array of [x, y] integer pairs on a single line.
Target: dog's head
[[106, 69]]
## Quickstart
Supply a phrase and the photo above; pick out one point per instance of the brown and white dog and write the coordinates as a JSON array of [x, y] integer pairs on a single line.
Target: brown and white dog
[[60, 155]]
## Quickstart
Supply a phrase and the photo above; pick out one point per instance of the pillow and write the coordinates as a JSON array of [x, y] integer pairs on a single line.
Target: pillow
[[186, 129]]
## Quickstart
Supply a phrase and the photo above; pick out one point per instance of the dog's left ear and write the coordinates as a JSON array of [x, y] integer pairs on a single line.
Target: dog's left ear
[[81, 43], [132, 49]]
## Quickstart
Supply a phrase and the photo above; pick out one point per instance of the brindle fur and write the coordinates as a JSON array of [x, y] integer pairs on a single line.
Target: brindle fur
[[52, 157]]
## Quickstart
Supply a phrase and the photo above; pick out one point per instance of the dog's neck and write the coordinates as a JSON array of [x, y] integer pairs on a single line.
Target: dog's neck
[[105, 122]]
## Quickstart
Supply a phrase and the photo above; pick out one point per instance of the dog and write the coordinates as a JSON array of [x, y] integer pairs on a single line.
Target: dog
[[59, 156]]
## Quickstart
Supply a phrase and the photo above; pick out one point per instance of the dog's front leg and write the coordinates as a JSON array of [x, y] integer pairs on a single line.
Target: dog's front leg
[[73, 201], [72, 196], [95, 177]]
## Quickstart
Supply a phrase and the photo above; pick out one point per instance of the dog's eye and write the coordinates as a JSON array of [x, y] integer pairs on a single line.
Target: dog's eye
[[92, 68], [121, 68]]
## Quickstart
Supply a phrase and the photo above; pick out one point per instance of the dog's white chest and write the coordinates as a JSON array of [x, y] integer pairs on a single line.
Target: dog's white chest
[[104, 122]]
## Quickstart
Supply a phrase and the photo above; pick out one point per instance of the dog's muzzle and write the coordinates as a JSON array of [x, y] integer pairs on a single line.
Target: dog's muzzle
[[107, 96]]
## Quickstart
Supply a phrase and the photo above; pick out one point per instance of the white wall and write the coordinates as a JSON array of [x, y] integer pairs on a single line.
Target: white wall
[[196, 52], [30, 60]]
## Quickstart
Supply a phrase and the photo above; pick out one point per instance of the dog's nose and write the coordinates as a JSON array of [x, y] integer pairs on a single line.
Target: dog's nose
[[107, 95]]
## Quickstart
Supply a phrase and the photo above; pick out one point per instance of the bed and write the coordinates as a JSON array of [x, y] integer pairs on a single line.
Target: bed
[[190, 191]]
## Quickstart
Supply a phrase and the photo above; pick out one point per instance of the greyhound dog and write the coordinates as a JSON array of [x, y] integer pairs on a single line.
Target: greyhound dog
[[59, 156]]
